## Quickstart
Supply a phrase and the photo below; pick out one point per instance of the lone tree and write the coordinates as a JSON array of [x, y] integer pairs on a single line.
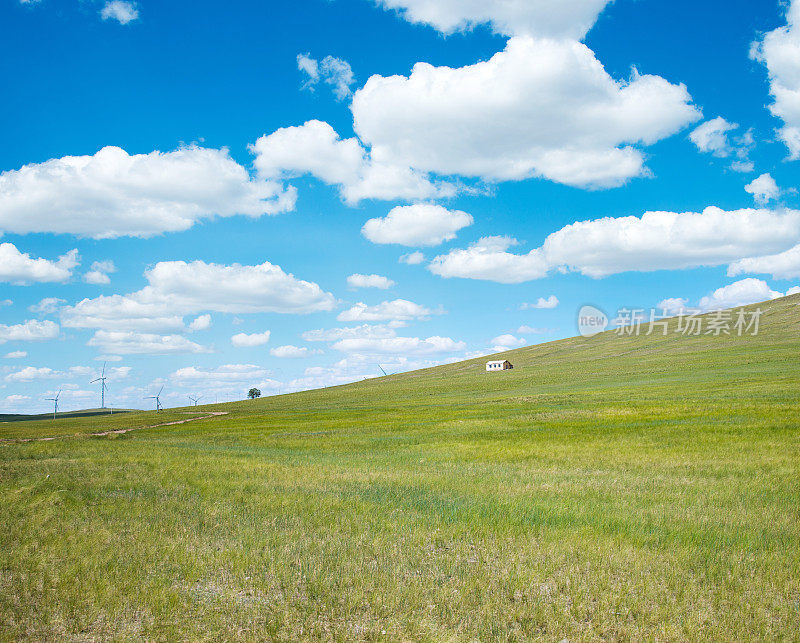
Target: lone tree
[[253, 393]]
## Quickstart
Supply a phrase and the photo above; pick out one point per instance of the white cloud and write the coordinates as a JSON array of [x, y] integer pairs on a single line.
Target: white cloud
[[712, 136], [30, 373], [315, 148], [739, 293], [225, 380], [20, 268], [120, 10], [550, 302], [794, 290], [763, 189], [673, 305], [16, 354], [202, 322], [310, 67], [421, 224], [220, 375], [243, 340], [783, 265], [47, 306], [412, 258], [334, 71], [489, 259], [529, 330], [133, 343], [369, 281], [506, 342], [29, 331], [668, 240], [779, 50], [364, 331], [399, 346], [114, 194], [399, 309], [654, 241], [99, 271], [540, 108], [564, 18], [177, 288], [290, 352]]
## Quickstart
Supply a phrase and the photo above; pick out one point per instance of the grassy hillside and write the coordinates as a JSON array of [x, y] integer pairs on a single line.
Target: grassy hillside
[[609, 487]]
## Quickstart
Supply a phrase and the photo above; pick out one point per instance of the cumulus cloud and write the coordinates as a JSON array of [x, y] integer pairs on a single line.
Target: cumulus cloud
[[712, 136], [669, 240], [222, 374], [29, 331], [114, 194], [506, 342], [178, 288], [412, 258], [399, 346], [549, 302], [399, 309], [782, 265], [315, 148], [134, 343], [99, 271], [120, 10], [243, 340], [364, 331], [654, 241], [540, 108], [779, 50], [739, 293], [421, 224], [564, 19], [673, 305], [489, 260], [228, 379], [333, 71], [290, 352], [201, 322], [763, 189], [47, 306], [369, 281], [20, 268], [30, 373]]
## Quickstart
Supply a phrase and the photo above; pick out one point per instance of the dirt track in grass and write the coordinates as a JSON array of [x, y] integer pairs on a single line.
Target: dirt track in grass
[[101, 434]]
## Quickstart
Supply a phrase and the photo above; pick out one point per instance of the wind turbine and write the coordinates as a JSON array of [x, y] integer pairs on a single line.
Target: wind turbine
[[382, 371], [54, 400], [194, 399], [103, 388], [157, 399]]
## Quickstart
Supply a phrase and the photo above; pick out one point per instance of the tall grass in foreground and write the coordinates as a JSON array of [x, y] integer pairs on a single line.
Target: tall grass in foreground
[[617, 488]]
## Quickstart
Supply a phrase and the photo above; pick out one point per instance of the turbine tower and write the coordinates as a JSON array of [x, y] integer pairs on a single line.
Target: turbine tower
[[157, 398], [194, 399], [103, 388], [54, 400]]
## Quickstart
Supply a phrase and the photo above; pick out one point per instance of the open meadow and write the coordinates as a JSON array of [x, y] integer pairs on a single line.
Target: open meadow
[[610, 487]]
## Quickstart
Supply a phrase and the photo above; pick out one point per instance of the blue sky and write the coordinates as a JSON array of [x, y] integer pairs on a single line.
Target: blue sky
[[185, 188]]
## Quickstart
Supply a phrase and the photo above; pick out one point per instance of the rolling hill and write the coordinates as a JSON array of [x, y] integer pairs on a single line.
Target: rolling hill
[[606, 487]]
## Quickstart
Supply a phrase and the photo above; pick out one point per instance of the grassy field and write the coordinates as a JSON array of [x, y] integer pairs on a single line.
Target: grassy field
[[606, 488]]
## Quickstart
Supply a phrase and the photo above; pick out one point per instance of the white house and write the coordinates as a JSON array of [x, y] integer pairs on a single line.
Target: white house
[[499, 365]]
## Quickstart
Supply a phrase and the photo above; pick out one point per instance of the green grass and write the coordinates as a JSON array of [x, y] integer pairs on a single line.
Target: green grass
[[606, 488]]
